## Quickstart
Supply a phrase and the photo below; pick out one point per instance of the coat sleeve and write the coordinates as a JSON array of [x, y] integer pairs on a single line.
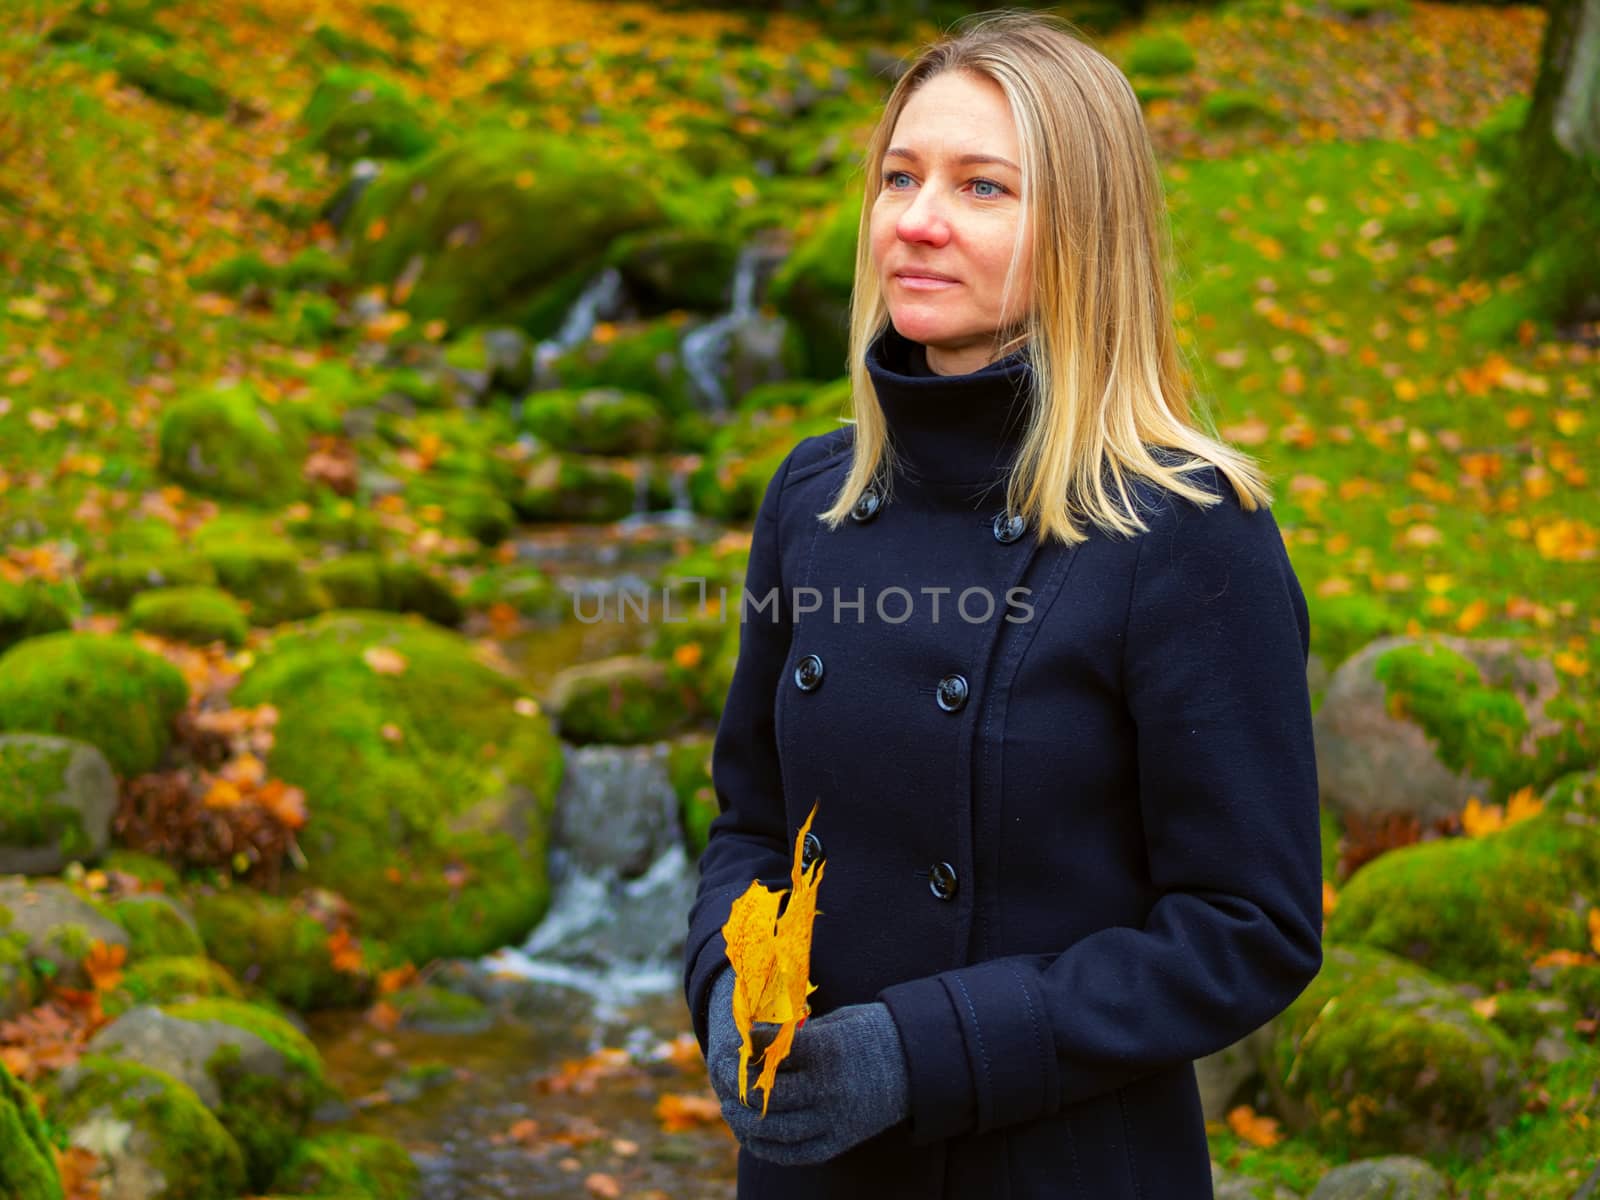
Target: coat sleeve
[[1214, 674], [748, 838]]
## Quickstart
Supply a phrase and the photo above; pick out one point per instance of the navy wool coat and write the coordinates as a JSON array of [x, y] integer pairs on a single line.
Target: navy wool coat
[[1067, 800]]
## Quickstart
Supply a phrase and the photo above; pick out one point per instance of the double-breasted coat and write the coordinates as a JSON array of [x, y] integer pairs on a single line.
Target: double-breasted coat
[[1067, 800]]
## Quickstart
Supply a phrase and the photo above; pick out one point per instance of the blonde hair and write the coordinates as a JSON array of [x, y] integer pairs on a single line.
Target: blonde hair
[[1108, 372]]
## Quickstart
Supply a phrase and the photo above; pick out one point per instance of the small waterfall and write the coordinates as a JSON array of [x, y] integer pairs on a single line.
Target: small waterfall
[[705, 349], [601, 297]]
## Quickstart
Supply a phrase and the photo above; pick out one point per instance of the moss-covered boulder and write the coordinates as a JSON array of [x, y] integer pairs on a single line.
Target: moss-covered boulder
[[275, 945], [644, 357], [349, 1164], [522, 587], [434, 1009], [744, 454], [689, 767], [1378, 1056], [368, 581], [667, 269], [102, 689], [430, 779], [167, 979], [223, 441], [339, 525], [1389, 1177], [562, 487], [812, 288], [190, 614], [596, 421], [255, 1071], [152, 873], [113, 582], [625, 698], [60, 923], [57, 798], [19, 982], [1482, 908], [32, 607], [482, 224], [1421, 725], [157, 926], [270, 578], [359, 114], [27, 1157], [173, 76], [152, 1136]]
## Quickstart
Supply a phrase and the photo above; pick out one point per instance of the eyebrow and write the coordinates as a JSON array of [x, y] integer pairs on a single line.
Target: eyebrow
[[963, 160]]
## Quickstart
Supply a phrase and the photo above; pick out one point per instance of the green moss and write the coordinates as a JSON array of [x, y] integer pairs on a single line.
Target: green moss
[[437, 835], [269, 577], [187, 1144], [1477, 908], [358, 114], [190, 614], [27, 1159], [367, 581], [223, 441], [438, 1009], [1160, 54], [155, 928], [570, 488], [812, 287], [282, 950], [113, 582], [357, 1163], [524, 587], [150, 871], [689, 768], [32, 780], [104, 690], [596, 421], [169, 77], [33, 607], [626, 699], [1376, 1056], [163, 980], [296, 1049], [1477, 728]]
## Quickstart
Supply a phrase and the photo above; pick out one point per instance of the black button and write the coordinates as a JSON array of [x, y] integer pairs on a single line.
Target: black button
[[810, 851], [1008, 527], [942, 880], [867, 506], [952, 693], [808, 673]]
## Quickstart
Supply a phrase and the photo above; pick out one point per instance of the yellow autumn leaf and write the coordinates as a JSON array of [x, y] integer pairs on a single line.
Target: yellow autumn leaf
[[771, 958]]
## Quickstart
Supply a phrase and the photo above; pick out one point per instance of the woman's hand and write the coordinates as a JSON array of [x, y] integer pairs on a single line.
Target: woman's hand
[[843, 1081]]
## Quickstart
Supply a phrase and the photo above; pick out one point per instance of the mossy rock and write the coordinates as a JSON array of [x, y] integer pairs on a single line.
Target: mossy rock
[[628, 698], [689, 767], [1481, 908], [270, 578], [668, 269], [353, 1164], [434, 1009], [222, 441], [596, 421], [367, 581], [157, 926], [525, 588], [491, 216], [563, 487], [259, 1074], [342, 526], [155, 874], [1234, 107], [170, 77], [1378, 1055], [430, 776], [274, 945], [31, 608], [113, 582], [200, 615], [142, 1123], [60, 923], [57, 798], [359, 114], [19, 982], [465, 505], [812, 288], [170, 978], [1160, 54], [102, 689], [27, 1157], [742, 458], [642, 357]]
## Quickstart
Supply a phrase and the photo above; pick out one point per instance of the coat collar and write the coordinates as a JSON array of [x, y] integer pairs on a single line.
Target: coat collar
[[949, 428]]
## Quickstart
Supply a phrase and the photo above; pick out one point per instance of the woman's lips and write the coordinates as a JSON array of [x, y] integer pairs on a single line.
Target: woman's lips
[[924, 283]]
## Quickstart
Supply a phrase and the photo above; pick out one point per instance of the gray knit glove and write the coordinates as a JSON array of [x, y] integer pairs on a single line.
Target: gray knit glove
[[843, 1081]]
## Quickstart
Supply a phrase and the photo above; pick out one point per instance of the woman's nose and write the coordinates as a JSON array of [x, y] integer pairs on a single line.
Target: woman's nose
[[923, 219]]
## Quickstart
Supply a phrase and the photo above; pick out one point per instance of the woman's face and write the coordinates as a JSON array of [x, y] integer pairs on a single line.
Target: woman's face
[[939, 215]]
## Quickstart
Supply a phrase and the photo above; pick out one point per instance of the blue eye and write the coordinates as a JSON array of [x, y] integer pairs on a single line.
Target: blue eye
[[1000, 189]]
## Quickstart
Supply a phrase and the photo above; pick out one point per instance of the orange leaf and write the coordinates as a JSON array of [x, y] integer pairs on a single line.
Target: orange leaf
[[1253, 1128], [678, 1111], [103, 964]]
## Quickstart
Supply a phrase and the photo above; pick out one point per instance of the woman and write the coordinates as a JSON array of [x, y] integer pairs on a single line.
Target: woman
[[1030, 640]]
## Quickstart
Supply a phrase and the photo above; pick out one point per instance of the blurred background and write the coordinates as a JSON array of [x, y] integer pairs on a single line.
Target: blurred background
[[376, 378]]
